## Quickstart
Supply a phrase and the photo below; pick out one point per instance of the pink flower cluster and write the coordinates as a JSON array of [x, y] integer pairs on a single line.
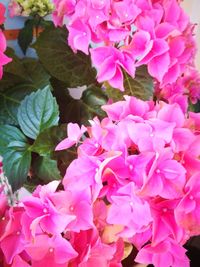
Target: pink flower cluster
[[1, 167], [136, 180], [185, 90], [123, 35], [3, 58]]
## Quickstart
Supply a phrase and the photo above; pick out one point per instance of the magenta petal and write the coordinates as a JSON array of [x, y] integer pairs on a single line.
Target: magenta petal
[[19, 262], [63, 250], [2, 42], [107, 70], [39, 248], [12, 246], [154, 66], [81, 43], [4, 59], [65, 144], [164, 29], [117, 80], [98, 55]]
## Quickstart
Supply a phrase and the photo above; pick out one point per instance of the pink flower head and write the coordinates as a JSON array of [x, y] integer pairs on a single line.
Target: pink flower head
[[126, 10], [165, 178], [109, 61], [14, 9], [82, 174], [152, 135], [43, 213], [164, 222], [62, 8], [129, 34], [92, 251], [12, 241], [132, 210], [19, 262], [74, 133], [166, 253], [121, 109], [187, 212], [2, 13], [79, 36], [54, 251], [76, 204], [3, 202], [3, 58], [135, 181]]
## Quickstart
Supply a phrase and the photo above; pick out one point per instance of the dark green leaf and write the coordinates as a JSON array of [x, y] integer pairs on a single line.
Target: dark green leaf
[[93, 98], [10, 100], [16, 67], [14, 72], [47, 140], [16, 165], [23, 71], [37, 74], [141, 86], [71, 110], [37, 112], [9, 134], [194, 107], [9, 80], [25, 37], [46, 169], [16, 155], [57, 57]]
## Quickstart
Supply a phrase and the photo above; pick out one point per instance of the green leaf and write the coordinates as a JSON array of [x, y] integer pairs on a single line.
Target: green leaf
[[46, 169], [25, 37], [15, 67], [71, 110], [36, 72], [60, 61], [194, 107], [23, 71], [16, 156], [16, 165], [37, 112], [14, 72], [93, 98], [47, 140], [9, 134], [10, 100], [141, 86]]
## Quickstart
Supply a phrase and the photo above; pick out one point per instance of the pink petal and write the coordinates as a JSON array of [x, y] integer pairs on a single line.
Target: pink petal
[[2, 42], [154, 66], [65, 144], [117, 81]]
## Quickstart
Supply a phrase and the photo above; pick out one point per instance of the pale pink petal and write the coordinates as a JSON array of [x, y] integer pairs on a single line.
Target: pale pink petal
[[154, 66]]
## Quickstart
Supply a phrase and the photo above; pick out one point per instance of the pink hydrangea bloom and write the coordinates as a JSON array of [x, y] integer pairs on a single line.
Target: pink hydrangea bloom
[[12, 241], [151, 33], [54, 251], [166, 253], [132, 211], [2, 13], [3, 58], [187, 211], [77, 204], [14, 9], [74, 133], [43, 213], [186, 88], [135, 180], [109, 61]]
